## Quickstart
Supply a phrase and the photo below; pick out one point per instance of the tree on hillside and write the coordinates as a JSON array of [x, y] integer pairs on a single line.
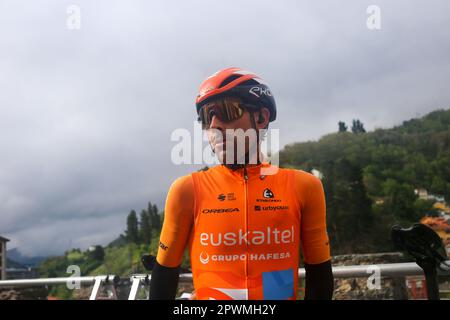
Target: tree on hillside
[[156, 222], [97, 254], [342, 126], [438, 186], [132, 232], [349, 213], [357, 126], [146, 228], [400, 200]]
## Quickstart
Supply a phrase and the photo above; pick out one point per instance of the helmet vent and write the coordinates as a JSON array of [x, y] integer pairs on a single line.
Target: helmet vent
[[248, 82], [229, 79]]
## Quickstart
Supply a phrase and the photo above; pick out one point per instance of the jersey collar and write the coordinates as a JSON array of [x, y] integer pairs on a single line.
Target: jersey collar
[[253, 170]]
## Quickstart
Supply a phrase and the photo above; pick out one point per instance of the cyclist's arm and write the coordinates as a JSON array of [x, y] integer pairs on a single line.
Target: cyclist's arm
[[178, 220], [319, 281], [314, 238]]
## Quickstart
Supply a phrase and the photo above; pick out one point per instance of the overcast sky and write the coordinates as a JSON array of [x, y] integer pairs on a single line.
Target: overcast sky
[[86, 115]]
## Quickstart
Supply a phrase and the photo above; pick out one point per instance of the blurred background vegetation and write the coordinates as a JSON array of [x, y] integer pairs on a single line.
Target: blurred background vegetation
[[372, 180]]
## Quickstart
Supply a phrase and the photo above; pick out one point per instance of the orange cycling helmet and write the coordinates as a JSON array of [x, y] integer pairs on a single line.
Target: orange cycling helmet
[[239, 83]]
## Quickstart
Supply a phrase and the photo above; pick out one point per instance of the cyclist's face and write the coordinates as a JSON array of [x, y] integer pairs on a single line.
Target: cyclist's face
[[220, 132]]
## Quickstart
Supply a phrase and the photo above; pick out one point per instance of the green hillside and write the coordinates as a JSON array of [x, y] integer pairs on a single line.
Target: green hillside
[[369, 178]]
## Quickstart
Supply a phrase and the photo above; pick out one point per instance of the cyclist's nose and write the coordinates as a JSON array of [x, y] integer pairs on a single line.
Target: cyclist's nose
[[215, 123]]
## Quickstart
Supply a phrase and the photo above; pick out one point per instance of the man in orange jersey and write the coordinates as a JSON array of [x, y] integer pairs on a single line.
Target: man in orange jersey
[[244, 220]]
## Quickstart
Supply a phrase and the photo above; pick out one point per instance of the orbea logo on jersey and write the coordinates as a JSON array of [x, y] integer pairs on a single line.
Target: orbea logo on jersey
[[254, 237]]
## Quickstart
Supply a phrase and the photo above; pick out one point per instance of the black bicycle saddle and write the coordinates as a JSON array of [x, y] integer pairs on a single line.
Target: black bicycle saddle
[[420, 241]]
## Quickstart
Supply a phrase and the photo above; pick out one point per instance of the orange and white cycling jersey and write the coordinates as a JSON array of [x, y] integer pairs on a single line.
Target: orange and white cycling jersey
[[244, 231]]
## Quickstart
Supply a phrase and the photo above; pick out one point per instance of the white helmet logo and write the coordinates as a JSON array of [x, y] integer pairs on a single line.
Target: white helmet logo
[[258, 91], [204, 260]]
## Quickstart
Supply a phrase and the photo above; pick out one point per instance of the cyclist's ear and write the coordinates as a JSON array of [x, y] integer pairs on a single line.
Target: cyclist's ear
[[263, 117], [260, 118]]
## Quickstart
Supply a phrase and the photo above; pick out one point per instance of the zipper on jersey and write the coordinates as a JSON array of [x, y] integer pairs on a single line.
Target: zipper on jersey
[[246, 224]]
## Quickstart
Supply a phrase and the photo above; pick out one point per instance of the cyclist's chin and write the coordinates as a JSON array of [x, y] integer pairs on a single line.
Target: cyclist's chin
[[222, 156], [224, 159]]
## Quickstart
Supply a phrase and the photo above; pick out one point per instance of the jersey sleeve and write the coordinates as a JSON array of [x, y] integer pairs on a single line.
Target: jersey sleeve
[[178, 221], [313, 233]]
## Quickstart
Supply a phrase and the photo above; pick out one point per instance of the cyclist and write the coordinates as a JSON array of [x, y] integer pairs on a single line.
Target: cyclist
[[245, 219]]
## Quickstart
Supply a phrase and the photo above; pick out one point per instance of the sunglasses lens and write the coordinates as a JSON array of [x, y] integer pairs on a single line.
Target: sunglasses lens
[[227, 110]]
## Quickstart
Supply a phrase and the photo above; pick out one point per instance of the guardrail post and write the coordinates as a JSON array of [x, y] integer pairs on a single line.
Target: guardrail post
[[400, 289], [109, 287], [96, 288], [136, 283]]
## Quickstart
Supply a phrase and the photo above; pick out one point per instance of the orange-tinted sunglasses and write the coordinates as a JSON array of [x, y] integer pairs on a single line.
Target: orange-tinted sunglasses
[[226, 109]]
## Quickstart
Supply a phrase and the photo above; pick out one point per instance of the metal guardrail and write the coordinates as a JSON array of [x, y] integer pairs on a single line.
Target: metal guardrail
[[392, 270], [108, 281], [55, 281]]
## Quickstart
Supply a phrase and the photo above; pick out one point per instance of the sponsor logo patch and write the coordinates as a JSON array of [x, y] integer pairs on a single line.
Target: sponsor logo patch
[[267, 193], [271, 208], [163, 246], [205, 258], [220, 210]]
